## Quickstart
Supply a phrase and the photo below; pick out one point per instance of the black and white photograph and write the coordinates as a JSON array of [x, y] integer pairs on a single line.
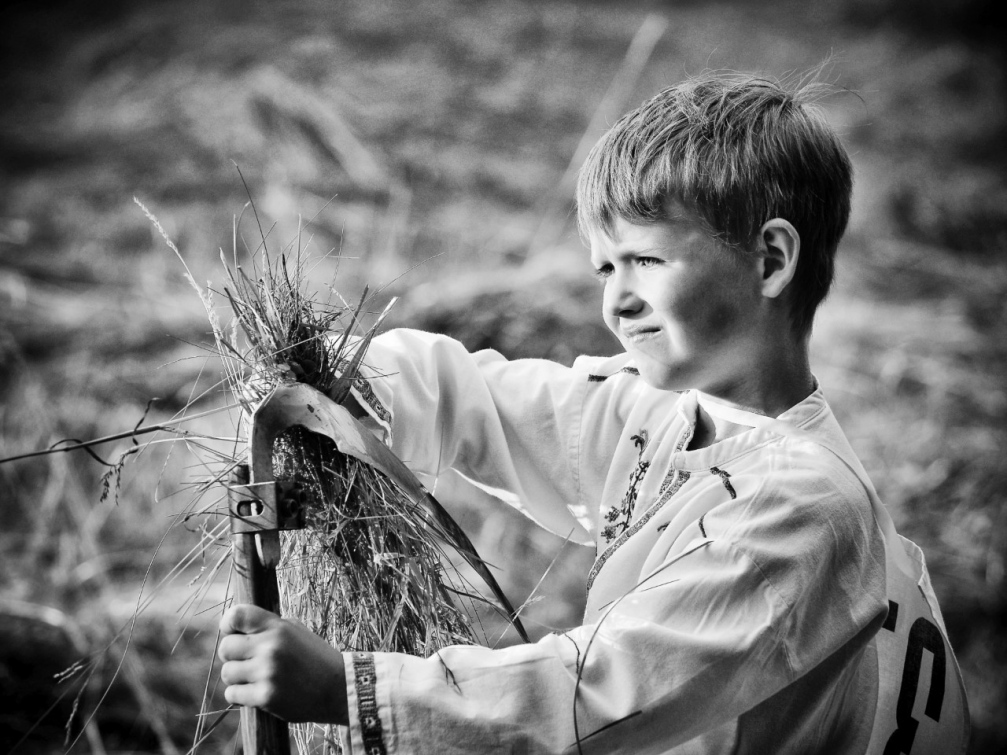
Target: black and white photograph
[[557, 377]]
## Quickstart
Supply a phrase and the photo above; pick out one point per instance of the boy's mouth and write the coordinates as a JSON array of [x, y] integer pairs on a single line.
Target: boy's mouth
[[640, 332]]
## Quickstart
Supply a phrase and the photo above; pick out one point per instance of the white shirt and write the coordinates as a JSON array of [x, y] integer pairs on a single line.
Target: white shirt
[[737, 590]]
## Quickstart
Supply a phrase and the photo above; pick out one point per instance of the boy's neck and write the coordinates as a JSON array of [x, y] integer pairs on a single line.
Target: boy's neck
[[777, 379]]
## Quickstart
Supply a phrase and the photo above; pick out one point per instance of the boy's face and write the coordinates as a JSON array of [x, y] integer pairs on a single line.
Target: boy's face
[[688, 311]]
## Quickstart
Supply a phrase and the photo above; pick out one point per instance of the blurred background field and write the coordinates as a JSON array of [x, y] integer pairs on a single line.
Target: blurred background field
[[433, 142]]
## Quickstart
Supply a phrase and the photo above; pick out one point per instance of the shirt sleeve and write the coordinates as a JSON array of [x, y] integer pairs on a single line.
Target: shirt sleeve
[[711, 632], [511, 427]]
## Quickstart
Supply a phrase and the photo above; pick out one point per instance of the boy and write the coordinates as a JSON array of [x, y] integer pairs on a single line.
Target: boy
[[741, 582]]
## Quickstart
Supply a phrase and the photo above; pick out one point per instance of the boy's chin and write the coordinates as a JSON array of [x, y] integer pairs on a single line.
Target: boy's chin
[[663, 377]]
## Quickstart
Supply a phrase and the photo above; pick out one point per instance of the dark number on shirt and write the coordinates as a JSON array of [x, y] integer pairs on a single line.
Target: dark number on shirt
[[923, 635]]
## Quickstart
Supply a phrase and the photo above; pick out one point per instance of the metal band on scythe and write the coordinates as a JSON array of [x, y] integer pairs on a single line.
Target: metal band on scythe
[[260, 507]]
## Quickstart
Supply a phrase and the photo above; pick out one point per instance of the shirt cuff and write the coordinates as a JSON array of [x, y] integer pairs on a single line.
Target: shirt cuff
[[369, 722]]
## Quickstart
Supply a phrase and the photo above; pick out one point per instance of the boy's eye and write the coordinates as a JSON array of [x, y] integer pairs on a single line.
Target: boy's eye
[[647, 261], [603, 272]]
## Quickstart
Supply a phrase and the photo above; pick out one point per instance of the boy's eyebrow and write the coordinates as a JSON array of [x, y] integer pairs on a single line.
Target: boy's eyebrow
[[634, 251]]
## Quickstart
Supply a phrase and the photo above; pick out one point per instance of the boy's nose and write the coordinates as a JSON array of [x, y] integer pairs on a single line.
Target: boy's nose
[[620, 299]]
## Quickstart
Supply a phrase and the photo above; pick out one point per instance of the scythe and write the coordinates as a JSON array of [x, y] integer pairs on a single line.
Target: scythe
[[260, 507]]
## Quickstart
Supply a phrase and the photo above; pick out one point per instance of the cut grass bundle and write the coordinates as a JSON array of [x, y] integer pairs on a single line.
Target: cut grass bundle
[[369, 571], [364, 573]]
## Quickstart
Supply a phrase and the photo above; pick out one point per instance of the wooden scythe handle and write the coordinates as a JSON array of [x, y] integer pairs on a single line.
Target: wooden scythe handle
[[261, 733]]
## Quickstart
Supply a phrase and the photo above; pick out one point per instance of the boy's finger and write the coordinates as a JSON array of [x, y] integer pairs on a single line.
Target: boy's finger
[[234, 647], [245, 619], [242, 672], [254, 695]]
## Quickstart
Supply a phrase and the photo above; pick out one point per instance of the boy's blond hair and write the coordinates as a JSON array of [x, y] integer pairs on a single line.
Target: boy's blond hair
[[737, 151]]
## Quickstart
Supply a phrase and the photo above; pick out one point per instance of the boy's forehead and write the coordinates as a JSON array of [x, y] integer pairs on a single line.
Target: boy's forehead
[[621, 230]]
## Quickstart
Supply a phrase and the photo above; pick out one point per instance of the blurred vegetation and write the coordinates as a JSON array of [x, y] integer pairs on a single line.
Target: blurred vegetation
[[445, 131]]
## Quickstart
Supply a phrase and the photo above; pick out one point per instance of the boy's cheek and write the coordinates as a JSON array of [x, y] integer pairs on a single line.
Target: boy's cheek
[[710, 314], [722, 319]]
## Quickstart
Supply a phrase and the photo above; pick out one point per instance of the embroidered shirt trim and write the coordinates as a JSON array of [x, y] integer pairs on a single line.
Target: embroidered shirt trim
[[726, 479], [619, 517], [681, 477], [592, 378], [367, 704], [363, 387], [669, 486]]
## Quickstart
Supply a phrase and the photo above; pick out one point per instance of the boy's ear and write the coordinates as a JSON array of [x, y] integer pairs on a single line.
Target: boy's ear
[[779, 247]]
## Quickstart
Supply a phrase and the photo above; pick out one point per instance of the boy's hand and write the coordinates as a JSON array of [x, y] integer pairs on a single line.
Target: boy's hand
[[281, 666]]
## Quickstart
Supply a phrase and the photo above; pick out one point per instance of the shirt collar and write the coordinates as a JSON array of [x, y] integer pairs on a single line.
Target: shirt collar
[[723, 451]]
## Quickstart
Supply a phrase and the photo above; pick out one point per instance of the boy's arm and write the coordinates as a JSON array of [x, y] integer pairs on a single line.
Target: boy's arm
[[668, 678], [701, 640], [510, 426]]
